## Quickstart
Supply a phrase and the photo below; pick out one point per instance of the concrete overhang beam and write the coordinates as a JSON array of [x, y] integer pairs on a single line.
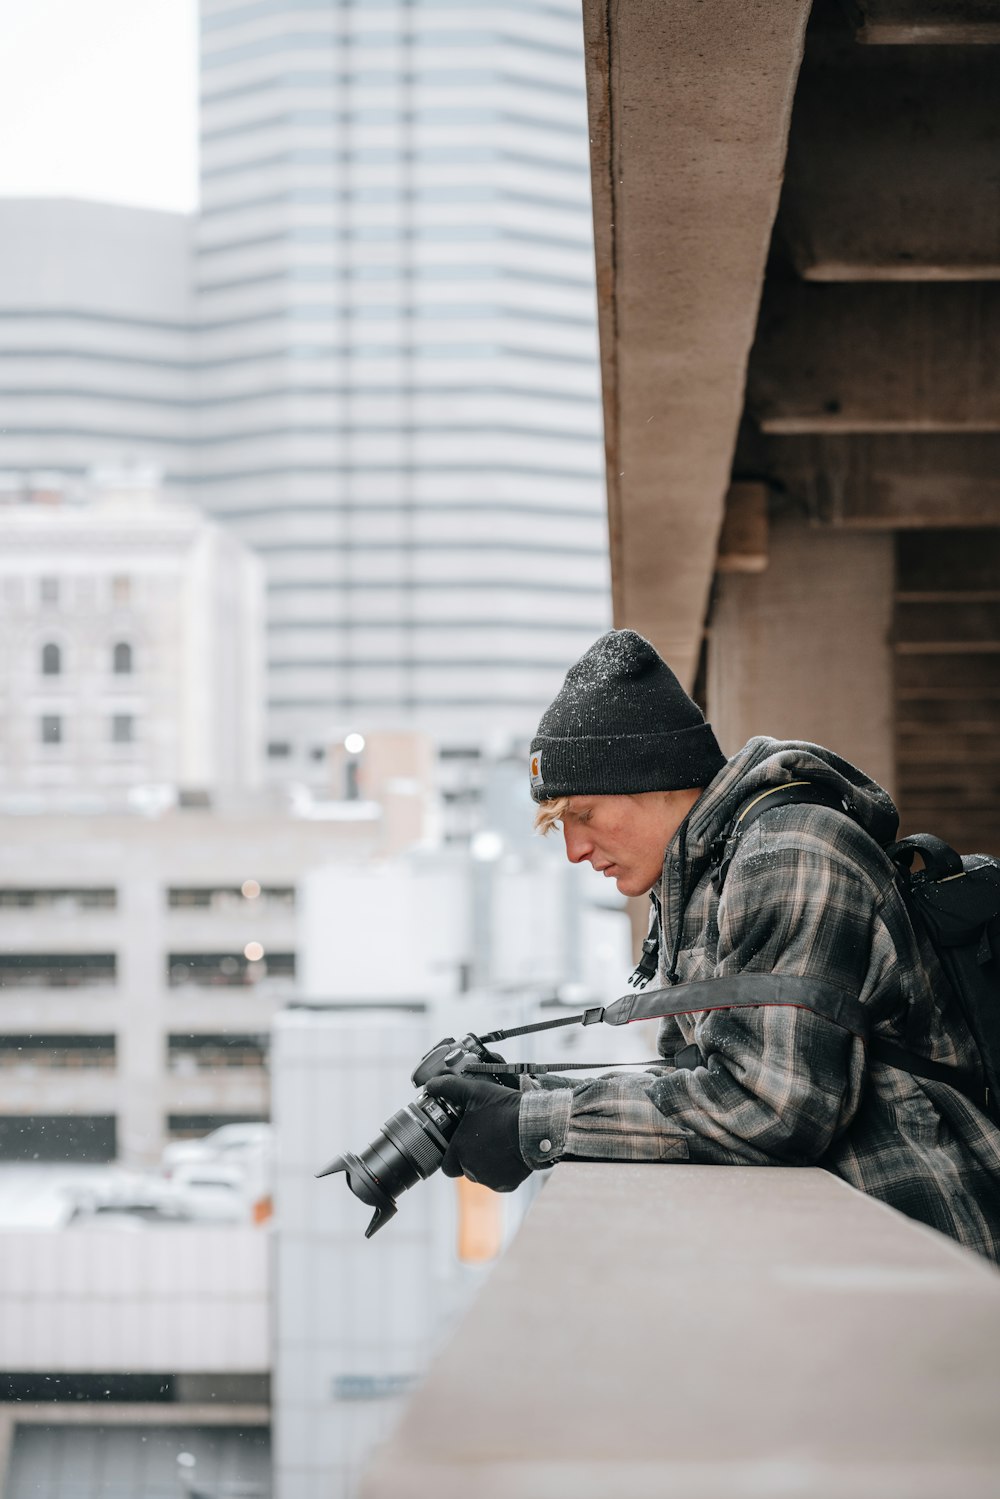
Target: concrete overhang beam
[[689, 111], [892, 165], [867, 358], [891, 482], [925, 22]]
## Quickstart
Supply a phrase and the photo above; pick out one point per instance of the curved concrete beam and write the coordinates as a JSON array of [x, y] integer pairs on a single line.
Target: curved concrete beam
[[689, 114]]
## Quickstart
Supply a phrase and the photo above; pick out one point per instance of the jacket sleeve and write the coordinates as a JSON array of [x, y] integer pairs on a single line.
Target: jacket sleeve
[[779, 1083]]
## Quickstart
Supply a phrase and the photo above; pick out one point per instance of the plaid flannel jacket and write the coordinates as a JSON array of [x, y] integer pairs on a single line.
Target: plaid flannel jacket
[[809, 894]]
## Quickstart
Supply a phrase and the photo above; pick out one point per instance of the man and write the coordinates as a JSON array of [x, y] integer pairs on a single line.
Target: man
[[625, 762]]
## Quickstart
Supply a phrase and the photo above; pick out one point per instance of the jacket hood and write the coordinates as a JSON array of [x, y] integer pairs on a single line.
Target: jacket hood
[[763, 763]]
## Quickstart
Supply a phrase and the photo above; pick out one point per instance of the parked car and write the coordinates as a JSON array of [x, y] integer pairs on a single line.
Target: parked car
[[208, 1192], [118, 1193], [230, 1144]]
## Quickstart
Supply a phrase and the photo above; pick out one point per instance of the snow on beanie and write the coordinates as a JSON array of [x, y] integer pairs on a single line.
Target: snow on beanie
[[621, 724]]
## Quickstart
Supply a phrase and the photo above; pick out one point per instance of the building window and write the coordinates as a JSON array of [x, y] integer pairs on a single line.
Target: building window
[[83, 898], [51, 660], [48, 590], [227, 897], [279, 749], [232, 970], [122, 728], [60, 1138], [57, 970], [50, 728], [121, 590], [121, 659], [71, 1052], [205, 1053]]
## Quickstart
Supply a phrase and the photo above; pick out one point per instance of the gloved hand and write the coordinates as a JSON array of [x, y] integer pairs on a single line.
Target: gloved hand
[[485, 1147], [506, 1079]]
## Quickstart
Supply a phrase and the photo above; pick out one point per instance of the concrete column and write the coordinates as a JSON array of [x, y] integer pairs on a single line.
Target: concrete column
[[142, 985], [802, 650]]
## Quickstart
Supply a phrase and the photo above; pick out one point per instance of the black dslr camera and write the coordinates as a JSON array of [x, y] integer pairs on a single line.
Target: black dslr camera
[[411, 1145]]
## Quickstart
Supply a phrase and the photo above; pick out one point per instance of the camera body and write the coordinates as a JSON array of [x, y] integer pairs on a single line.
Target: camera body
[[411, 1145], [452, 1056]]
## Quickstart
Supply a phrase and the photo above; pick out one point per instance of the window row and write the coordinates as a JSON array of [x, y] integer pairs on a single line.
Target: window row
[[228, 970], [121, 728], [185, 1054], [178, 897], [52, 590], [59, 898], [28, 1052], [223, 970], [122, 659], [93, 1137], [229, 897]]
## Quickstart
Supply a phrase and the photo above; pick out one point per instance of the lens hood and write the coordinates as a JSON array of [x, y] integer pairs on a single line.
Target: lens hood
[[365, 1187]]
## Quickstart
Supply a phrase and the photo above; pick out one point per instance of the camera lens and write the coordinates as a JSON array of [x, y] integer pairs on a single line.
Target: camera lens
[[408, 1149]]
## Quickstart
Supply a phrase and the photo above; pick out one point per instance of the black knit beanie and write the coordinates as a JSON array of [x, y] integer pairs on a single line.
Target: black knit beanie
[[621, 724]]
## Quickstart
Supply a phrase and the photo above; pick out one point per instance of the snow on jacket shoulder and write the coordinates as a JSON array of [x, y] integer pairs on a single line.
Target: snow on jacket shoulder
[[808, 893]]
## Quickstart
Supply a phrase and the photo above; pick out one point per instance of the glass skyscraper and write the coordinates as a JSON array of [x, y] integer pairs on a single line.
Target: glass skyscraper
[[398, 399]]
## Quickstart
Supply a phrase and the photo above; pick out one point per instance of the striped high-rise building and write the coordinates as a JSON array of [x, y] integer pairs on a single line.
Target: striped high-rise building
[[374, 355]]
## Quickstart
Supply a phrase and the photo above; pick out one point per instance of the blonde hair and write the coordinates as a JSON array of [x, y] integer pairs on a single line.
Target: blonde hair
[[549, 813]]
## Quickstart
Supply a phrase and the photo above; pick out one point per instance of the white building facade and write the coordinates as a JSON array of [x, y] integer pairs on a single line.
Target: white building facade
[[141, 963], [144, 955], [131, 637]]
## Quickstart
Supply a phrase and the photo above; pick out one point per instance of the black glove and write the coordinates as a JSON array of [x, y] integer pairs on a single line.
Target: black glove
[[485, 1147], [505, 1079]]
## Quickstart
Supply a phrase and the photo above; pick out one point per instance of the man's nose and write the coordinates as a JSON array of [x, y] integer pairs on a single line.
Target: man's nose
[[578, 845]]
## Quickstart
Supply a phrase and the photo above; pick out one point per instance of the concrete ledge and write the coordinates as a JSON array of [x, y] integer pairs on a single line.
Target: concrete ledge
[[712, 1333]]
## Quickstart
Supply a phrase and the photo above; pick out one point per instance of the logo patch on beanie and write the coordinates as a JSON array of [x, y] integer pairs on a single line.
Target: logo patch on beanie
[[536, 769]]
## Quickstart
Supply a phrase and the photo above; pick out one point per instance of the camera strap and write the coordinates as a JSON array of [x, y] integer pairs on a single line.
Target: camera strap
[[740, 991]]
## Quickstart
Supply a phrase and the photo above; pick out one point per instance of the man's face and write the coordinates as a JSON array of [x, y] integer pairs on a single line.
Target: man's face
[[625, 837]]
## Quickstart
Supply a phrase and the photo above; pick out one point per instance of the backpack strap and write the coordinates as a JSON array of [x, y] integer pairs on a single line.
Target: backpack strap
[[940, 859], [725, 848], [965, 1083]]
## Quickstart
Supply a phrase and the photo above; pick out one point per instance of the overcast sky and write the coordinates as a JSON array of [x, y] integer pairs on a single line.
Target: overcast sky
[[98, 100]]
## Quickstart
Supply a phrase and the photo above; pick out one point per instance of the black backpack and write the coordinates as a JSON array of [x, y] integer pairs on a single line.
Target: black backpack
[[955, 900]]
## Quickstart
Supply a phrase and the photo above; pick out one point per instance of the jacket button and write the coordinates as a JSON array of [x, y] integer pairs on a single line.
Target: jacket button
[[545, 1146]]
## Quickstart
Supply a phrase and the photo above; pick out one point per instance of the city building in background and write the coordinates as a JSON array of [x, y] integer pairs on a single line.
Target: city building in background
[[143, 957], [135, 1363], [130, 648], [372, 354], [304, 507], [141, 963], [95, 343], [398, 400], [352, 1342]]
